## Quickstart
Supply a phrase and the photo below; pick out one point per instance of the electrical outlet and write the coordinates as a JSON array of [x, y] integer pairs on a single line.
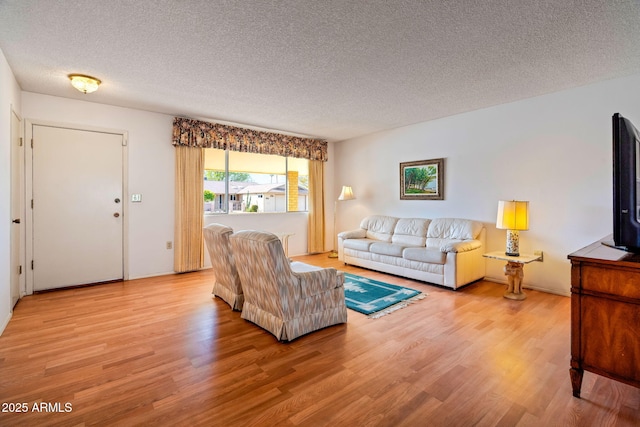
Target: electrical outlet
[[540, 254], [169, 245]]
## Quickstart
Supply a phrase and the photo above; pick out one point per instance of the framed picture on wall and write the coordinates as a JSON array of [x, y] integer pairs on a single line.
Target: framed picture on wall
[[422, 180]]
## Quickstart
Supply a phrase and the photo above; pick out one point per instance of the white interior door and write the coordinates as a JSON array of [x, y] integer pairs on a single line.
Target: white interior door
[[77, 207], [17, 219]]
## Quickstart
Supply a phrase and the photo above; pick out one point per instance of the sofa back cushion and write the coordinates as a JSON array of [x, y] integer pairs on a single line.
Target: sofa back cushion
[[447, 230], [454, 228], [411, 231], [379, 227]]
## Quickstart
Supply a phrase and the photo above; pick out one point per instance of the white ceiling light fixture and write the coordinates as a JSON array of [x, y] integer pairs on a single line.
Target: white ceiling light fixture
[[85, 84]]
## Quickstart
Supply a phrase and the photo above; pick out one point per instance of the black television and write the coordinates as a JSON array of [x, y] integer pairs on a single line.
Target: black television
[[626, 185]]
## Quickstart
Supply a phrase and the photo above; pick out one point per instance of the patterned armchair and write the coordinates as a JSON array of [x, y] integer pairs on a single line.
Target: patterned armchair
[[227, 285], [287, 299]]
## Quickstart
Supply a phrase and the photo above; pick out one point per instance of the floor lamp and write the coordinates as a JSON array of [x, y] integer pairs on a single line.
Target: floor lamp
[[346, 194]]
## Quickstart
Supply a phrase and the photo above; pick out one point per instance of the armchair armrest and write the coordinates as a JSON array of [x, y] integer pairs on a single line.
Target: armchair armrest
[[464, 246], [360, 233], [316, 282]]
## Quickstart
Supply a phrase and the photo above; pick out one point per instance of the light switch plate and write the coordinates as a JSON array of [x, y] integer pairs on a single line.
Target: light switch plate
[[136, 198]]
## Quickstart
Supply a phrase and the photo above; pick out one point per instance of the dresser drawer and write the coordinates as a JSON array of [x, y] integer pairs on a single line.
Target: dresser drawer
[[620, 282]]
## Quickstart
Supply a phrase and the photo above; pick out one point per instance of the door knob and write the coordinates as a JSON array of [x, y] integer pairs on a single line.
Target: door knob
[[16, 221], [116, 214], [117, 200]]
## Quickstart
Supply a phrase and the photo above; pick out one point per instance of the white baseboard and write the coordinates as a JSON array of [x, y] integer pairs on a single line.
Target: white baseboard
[[170, 273], [549, 291], [5, 323], [529, 286]]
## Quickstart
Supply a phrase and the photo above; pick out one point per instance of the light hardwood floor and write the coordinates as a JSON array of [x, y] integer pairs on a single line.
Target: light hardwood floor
[[162, 351]]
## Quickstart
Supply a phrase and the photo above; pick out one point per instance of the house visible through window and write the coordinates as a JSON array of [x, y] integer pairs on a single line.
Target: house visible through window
[[236, 182]]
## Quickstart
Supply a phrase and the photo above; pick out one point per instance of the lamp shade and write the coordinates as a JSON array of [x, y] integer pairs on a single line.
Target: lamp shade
[[513, 215], [346, 194]]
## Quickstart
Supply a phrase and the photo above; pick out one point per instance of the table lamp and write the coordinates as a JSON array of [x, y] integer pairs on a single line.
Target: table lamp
[[513, 216]]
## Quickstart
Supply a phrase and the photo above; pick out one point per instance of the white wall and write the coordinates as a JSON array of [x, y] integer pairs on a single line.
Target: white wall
[[151, 173], [553, 150], [9, 99]]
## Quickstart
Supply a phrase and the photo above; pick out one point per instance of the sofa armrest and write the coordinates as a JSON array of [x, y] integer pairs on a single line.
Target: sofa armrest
[[316, 282], [464, 246], [360, 233]]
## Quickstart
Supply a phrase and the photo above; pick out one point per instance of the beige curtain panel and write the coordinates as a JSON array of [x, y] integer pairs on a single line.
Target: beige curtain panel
[[315, 233], [189, 243], [196, 133]]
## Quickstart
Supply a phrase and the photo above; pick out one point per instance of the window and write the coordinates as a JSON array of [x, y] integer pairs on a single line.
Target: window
[[237, 182]]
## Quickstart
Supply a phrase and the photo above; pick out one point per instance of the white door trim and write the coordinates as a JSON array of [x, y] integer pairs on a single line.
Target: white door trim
[[21, 196], [28, 136]]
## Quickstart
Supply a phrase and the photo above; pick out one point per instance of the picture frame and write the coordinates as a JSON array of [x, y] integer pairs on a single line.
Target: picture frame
[[422, 180]]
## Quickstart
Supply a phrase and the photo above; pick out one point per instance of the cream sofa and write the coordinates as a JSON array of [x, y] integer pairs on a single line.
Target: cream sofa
[[443, 251]]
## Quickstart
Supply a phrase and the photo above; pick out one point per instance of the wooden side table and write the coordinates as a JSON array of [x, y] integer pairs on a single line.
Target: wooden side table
[[514, 270]]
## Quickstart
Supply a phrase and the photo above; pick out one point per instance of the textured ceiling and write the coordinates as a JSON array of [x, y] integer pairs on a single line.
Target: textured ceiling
[[331, 69]]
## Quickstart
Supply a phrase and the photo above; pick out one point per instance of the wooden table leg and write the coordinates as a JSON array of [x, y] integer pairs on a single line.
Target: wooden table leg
[[576, 380]]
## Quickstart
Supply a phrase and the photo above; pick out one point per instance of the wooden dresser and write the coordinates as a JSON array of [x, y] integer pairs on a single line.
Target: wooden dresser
[[605, 314]]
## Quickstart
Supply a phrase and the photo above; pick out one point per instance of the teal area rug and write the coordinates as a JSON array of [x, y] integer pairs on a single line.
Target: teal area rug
[[374, 298]]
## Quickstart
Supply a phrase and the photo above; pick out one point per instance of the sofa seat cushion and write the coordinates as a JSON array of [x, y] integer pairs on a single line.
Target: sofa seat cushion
[[367, 258], [359, 244], [301, 267], [432, 256], [383, 248]]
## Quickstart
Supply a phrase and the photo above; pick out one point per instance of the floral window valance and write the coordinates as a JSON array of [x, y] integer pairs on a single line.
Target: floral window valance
[[196, 133]]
